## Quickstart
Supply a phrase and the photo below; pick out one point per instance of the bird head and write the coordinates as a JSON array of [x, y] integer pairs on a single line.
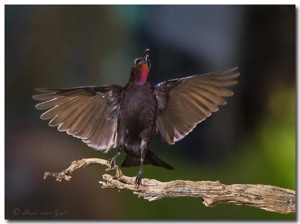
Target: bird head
[[140, 69]]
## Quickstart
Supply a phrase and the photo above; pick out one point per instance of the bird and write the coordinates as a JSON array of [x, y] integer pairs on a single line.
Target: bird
[[127, 117]]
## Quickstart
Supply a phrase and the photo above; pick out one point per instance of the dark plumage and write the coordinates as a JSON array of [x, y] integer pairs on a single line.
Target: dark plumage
[[126, 118]]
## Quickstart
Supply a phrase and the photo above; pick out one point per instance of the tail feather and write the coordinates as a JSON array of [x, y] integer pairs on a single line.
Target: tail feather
[[131, 160], [150, 158]]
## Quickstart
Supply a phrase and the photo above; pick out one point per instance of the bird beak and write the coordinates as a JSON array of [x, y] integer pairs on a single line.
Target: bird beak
[[145, 56]]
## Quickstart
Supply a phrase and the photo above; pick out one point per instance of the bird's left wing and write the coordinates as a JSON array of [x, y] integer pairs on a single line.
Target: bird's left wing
[[185, 102], [89, 113]]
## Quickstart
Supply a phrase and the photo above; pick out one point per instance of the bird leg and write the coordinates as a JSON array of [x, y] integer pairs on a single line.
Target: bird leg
[[139, 176], [113, 160]]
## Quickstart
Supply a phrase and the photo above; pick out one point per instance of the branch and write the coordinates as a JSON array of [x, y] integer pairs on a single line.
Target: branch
[[267, 197]]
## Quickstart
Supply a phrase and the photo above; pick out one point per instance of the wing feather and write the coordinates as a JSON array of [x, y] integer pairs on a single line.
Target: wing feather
[[185, 102], [88, 113], [74, 116]]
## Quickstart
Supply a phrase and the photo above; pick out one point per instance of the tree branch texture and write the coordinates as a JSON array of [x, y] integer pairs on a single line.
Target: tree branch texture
[[267, 197]]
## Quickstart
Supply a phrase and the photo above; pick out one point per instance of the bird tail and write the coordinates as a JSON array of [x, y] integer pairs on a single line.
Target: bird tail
[[150, 158]]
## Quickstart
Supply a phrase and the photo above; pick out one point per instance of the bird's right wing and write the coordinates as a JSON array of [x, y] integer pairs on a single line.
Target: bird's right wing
[[185, 102], [88, 113]]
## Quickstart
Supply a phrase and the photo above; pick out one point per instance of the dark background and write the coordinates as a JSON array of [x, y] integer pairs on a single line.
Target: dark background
[[250, 140]]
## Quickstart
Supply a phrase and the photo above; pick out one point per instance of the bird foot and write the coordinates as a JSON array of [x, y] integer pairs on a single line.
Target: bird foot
[[138, 179], [113, 160]]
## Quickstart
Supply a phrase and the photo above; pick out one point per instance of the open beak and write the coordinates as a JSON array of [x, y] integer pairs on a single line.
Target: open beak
[[145, 56]]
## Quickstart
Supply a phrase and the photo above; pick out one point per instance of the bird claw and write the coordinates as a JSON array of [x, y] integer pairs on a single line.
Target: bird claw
[[113, 160], [138, 179]]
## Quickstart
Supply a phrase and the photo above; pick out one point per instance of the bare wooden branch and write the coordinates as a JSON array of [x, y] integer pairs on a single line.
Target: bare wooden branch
[[66, 174], [267, 197]]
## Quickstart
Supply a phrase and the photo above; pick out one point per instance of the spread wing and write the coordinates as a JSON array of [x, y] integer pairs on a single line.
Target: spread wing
[[88, 113], [185, 102]]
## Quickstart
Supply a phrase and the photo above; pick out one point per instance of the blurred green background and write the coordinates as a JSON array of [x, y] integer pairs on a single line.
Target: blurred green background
[[251, 140]]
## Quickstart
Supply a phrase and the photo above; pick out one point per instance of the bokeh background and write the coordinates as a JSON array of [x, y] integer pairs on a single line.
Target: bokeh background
[[250, 140]]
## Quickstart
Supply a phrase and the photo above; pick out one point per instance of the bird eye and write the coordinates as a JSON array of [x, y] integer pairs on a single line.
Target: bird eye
[[135, 61], [139, 60]]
